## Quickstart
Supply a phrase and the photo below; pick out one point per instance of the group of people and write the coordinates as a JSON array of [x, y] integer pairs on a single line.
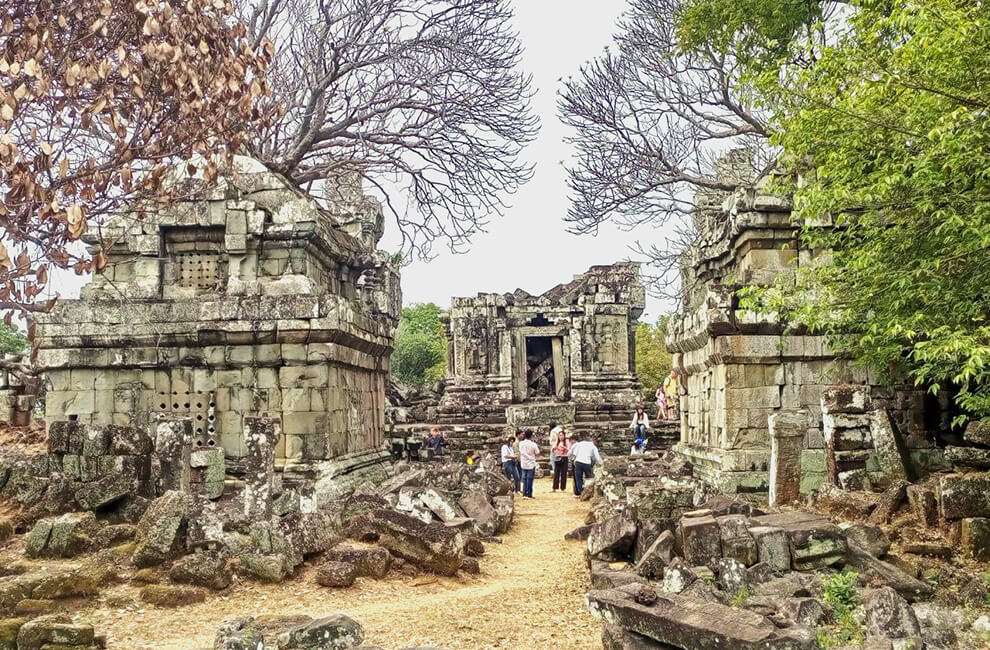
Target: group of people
[[568, 453]]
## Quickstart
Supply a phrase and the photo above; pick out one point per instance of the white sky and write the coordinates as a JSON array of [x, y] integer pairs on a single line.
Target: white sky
[[529, 247]]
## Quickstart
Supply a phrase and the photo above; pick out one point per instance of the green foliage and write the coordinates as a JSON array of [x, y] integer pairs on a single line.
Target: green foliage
[[12, 340], [740, 597], [420, 355], [839, 591], [653, 361]]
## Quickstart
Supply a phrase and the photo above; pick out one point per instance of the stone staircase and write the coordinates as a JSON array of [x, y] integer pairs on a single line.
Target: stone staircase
[[611, 429]]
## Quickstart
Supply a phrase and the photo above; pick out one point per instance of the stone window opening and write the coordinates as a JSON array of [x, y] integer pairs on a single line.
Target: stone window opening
[[195, 260]]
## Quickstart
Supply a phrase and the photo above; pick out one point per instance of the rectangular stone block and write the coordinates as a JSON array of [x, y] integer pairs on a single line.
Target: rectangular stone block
[[964, 495], [976, 538]]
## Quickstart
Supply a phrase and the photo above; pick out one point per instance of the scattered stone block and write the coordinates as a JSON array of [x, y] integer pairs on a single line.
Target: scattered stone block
[[773, 547], [203, 569], [808, 612], [964, 495], [475, 504], [889, 503], [160, 533], [787, 431], [53, 630], [336, 632], [441, 504], [868, 537], [889, 448], [677, 577], [657, 557], [967, 457], [685, 622], [504, 509], [265, 567], [433, 547], [737, 541], [923, 503], [877, 572], [612, 538], [889, 615], [976, 538], [171, 595], [65, 536], [336, 574], [700, 540], [977, 432], [732, 575], [814, 541], [470, 565], [105, 491], [580, 533], [372, 562]]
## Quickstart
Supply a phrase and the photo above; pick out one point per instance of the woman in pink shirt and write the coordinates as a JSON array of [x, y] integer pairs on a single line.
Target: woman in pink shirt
[[560, 450]]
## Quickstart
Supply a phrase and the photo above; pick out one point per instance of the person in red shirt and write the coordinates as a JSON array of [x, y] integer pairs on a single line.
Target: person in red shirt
[[560, 451]]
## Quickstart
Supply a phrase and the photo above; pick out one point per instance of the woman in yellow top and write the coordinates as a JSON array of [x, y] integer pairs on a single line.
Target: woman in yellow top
[[670, 391]]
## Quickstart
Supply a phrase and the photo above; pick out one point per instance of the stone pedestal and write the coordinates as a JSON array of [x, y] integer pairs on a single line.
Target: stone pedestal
[[787, 430]]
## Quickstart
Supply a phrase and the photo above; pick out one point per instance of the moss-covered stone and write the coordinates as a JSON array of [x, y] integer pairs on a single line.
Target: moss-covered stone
[[8, 632], [34, 606], [172, 595]]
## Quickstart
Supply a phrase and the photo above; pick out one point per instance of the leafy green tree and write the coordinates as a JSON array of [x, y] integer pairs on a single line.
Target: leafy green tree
[[653, 361], [420, 355], [12, 340], [889, 133]]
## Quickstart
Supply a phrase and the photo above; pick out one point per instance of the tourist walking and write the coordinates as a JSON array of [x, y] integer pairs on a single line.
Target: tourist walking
[[561, 449], [509, 457], [640, 422], [528, 451], [670, 394], [556, 433], [515, 446], [662, 403], [585, 455]]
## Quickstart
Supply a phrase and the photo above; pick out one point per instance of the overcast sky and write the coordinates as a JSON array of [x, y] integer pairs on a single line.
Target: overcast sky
[[529, 247]]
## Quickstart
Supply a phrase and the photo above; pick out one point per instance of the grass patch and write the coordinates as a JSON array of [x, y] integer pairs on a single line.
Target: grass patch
[[839, 591]]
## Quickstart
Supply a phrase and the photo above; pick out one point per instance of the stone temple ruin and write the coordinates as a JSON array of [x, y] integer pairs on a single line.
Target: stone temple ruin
[[567, 356], [247, 329]]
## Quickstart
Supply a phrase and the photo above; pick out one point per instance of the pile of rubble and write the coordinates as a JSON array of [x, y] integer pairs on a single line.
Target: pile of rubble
[[666, 573]]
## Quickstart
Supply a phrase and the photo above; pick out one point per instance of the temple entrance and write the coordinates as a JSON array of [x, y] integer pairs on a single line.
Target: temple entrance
[[540, 371]]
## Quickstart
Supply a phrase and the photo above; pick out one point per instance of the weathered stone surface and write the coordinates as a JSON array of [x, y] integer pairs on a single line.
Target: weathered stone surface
[[657, 557], [686, 622], [171, 595], [475, 504], [56, 630], [889, 615], [441, 504], [613, 537], [975, 537], [967, 457], [504, 509], [814, 541], [867, 537], [977, 432], [203, 569], [580, 533], [923, 503], [737, 542], [677, 577], [732, 576], [372, 562], [889, 448], [617, 638], [964, 495], [239, 633], [700, 540], [773, 547], [65, 536], [808, 612], [882, 573], [889, 503], [160, 532], [336, 632], [434, 547], [266, 567], [336, 574]]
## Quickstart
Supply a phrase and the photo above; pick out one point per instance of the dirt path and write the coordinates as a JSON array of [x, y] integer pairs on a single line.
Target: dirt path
[[530, 594]]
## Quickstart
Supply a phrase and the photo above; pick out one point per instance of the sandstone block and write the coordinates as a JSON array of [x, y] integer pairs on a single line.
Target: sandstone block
[[976, 537], [612, 538], [700, 540], [336, 574]]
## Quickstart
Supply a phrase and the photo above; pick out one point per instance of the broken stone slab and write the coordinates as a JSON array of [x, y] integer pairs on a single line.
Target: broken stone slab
[[617, 638], [868, 537], [56, 630], [410, 478], [975, 537], [309, 532], [160, 533], [434, 547], [878, 572], [964, 495], [604, 576], [924, 505], [408, 501], [737, 542], [889, 503], [336, 574], [475, 504], [700, 540], [773, 547], [732, 577], [67, 535], [203, 569], [613, 538], [579, 534], [504, 510], [967, 457], [686, 622], [441, 504], [371, 562], [977, 432], [814, 541], [677, 576], [890, 450], [239, 633], [103, 492], [889, 615], [808, 612], [649, 531], [657, 557], [335, 632]]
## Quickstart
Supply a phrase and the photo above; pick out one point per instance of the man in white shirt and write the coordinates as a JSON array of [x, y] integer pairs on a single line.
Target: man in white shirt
[[586, 456], [509, 462], [528, 451]]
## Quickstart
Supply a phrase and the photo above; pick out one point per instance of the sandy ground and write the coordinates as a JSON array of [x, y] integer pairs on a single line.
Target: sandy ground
[[530, 594]]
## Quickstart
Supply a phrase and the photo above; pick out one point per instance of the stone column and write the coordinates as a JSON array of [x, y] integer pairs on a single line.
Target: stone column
[[173, 445], [260, 437], [787, 430]]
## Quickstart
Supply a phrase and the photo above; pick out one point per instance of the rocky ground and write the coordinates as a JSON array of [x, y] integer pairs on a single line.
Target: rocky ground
[[530, 593]]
